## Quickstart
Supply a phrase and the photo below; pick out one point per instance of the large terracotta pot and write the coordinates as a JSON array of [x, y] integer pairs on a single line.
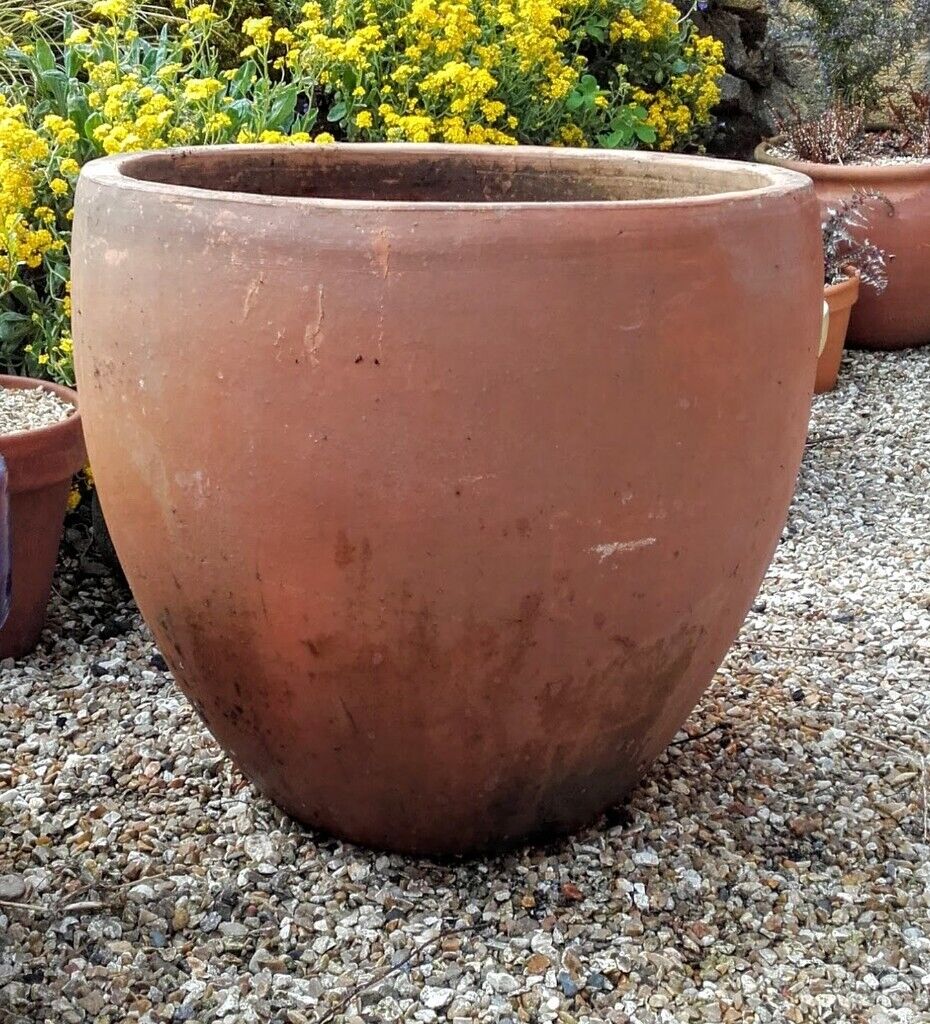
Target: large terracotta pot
[[445, 476], [899, 317], [40, 465], [840, 299]]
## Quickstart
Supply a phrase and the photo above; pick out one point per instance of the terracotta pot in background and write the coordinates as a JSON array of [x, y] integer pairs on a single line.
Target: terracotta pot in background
[[5, 548], [40, 465], [444, 475], [899, 317], [840, 299]]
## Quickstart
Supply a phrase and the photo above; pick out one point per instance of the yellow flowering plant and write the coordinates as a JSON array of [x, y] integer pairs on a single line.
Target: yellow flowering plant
[[614, 73], [107, 87]]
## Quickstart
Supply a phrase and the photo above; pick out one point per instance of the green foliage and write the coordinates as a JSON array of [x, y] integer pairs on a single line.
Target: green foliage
[[105, 88], [862, 50]]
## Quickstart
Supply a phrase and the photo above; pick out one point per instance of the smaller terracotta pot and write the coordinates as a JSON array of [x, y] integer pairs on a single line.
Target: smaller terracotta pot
[[898, 317], [840, 299], [40, 465], [4, 545]]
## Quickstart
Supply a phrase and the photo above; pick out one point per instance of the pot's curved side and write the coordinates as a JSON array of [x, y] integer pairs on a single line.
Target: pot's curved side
[[899, 317], [840, 299], [444, 518], [40, 465]]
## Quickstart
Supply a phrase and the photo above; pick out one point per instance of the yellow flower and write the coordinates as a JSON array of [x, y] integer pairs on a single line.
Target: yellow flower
[[30, 17], [218, 122], [202, 14], [258, 30], [59, 186], [323, 138], [199, 89], [114, 10], [363, 119], [78, 37]]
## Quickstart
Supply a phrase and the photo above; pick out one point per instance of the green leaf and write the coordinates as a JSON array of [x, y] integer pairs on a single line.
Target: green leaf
[[55, 83], [646, 133], [45, 59], [14, 326], [243, 79], [337, 111], [282, 108], [613, 140], [93, 120]]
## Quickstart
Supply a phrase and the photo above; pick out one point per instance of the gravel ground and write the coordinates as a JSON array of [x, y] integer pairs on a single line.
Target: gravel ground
[[30, 408], [773, 866]]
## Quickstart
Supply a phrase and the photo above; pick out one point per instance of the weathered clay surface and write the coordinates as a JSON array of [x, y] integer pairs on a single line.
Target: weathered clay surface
[[444, 496]]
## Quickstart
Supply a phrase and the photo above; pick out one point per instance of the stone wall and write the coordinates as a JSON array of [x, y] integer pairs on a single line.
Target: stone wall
[[756, 83]]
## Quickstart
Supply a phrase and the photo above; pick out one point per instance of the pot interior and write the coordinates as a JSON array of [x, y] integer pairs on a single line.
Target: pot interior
[[444, 174]]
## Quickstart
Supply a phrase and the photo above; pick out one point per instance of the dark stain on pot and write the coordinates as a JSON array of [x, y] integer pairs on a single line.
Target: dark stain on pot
[[366, 683], [345, 552], [586, 773]]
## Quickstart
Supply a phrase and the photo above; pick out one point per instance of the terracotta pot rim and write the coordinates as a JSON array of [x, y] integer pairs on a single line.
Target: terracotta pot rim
[[843, 293], [767, 180], [843, 172], [37, 458], [9, 442]]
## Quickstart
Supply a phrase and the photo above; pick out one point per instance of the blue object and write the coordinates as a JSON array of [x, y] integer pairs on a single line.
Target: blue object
[[6, 581]]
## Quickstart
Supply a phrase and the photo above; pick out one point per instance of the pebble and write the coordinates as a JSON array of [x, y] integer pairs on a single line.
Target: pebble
[[13, 887], [774, 870], [436, 998]]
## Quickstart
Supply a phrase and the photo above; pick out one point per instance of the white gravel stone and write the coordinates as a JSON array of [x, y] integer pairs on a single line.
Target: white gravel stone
[[436, 998], [773, 870], [24, 409]]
